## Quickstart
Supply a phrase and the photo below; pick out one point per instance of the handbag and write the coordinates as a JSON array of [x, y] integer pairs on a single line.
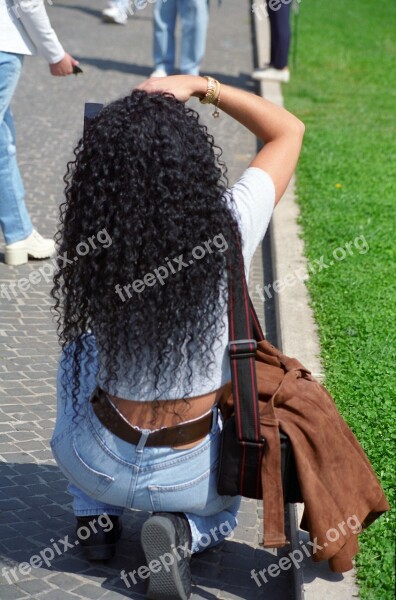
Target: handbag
[[252, 358]]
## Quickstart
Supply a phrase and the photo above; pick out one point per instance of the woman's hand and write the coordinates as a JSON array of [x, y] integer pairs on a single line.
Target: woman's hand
[[181, 86]]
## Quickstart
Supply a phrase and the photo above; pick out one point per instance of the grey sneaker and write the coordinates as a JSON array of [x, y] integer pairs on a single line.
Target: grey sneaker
[[168, 536]]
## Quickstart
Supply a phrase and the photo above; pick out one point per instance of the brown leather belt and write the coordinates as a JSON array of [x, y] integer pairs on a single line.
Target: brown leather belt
[[177, 435]]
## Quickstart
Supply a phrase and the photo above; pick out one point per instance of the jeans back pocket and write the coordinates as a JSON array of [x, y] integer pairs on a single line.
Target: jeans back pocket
[[75, 464]]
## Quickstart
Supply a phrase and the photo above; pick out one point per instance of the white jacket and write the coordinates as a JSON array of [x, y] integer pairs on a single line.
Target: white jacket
[[26, 29]]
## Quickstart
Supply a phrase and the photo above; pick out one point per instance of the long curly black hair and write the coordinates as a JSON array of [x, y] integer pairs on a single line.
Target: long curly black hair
[[148, 173]]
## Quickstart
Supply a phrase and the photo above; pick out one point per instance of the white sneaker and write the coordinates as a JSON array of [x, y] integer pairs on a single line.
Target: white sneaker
[[272, 74], [159, 73], [35, 246], [114, 15]]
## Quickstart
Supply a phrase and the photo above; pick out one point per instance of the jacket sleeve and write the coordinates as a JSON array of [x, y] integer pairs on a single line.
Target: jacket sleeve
[[35, 20]]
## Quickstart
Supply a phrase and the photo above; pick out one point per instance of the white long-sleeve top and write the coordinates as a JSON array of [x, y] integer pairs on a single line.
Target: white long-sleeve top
[[26, 29]]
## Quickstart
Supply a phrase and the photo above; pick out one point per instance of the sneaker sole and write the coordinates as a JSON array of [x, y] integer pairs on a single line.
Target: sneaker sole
[[157, 537]]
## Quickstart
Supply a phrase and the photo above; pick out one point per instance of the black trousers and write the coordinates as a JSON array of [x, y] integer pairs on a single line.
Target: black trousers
[[279, 17]]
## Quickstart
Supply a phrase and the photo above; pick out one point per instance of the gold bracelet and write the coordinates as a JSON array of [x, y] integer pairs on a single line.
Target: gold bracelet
[[213, 91]]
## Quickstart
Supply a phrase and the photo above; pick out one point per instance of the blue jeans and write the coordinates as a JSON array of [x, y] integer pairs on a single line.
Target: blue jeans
[[107, 474], [194, 24], [14, 217]]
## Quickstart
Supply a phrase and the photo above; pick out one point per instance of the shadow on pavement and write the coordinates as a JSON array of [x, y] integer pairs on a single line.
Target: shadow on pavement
[[98, 13], [85, 9], [243, 80], [317, 570]]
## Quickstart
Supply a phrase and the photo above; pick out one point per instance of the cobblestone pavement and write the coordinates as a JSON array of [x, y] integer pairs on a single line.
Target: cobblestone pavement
[[35, 511]]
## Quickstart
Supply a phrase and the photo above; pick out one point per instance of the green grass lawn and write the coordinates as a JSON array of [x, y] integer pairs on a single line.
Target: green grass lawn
[[344, 89]]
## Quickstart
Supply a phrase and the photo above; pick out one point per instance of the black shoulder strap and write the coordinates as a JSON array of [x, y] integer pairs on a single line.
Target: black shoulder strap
[[244, 333]]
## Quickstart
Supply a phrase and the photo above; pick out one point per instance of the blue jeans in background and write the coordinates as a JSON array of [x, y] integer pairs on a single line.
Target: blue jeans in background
[[107, 474], [14, 217], [194, 18]]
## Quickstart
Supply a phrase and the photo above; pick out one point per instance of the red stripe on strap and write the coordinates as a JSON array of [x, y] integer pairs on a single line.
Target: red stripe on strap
[[245, 298], [231, 313], [241, 486], [237, 400]]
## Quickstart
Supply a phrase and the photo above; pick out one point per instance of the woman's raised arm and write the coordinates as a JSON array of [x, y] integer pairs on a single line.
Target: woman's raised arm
[[280, 131]]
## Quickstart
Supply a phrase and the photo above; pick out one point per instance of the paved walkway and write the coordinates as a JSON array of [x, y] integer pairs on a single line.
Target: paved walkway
[[35, 510]]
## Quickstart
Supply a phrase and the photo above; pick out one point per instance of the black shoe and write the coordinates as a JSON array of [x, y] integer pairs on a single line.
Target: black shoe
[[100, 544], [168, 536]]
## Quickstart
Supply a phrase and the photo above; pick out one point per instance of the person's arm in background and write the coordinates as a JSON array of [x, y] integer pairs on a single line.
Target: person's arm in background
[[280, 131], [35, 20]]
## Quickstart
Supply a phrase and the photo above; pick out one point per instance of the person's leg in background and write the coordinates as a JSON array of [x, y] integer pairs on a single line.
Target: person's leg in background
[[194, 15], [20, 237], [164, 23], [279, 18], [280, 35], [14, 218]]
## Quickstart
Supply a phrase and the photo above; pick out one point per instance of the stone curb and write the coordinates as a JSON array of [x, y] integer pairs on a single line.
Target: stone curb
[[297, 335]]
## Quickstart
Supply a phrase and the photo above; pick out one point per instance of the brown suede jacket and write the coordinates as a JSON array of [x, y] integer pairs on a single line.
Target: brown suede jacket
[[340, 490]]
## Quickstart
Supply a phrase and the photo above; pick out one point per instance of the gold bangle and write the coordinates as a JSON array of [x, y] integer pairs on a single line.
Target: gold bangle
[[213, 91]]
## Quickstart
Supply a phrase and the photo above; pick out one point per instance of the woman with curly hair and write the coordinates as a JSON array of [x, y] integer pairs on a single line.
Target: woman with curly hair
[[142, 320]]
